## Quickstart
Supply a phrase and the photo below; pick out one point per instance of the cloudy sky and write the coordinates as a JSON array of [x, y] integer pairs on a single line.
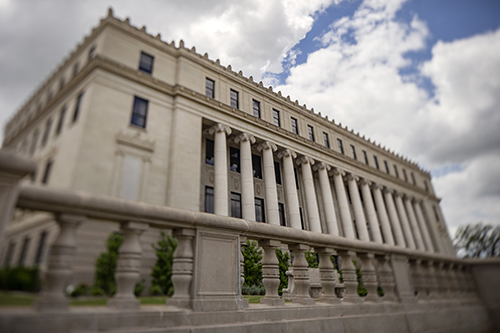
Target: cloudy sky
[[420, 76]]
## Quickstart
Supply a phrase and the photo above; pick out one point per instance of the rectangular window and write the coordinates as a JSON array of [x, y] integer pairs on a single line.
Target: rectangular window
[[49, 96], [61, 121], [276, 118], [396, 171], [34, 142], [277, 172], [413, 179], [139, 112], [209, 199], [353, 152], [326, 140], [341, 147], [260, 215], [256, 108], [10, 252], [76, 67], [302, 219], [295, 126], [375, 159], [45, 136], [91, 53], [426, 186], [146, 63], [386, 167], [235, 101], [404, 175], [46, 174], [435, 213], [61, 83], [257, 166], [296, 178], [281, 207], [77, 106], [234, 159], [236, 205], [24, 251], [41, 247], [209, 88], [310, 130], [365, 156], [209, 152]]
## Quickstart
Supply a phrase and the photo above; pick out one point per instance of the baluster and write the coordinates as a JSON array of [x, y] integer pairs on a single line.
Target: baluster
[[369, 277], [327, 275], [417, 279], [301, 274], [386, 278], [440, 278], [270, 272], [430, 280], [350, 277]]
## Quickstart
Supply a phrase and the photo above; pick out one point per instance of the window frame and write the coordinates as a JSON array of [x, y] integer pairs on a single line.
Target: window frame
[[209, 193], [46, 133], [396, 171], [277, 173], [365, 155], [282, 215], [340, 146], [76, 111], [209, 91], [257, 172], [326, 140], [136, 115], [256, 108], [310, 131], [276, 118], [375, 159], [259, 202], [211, 150], [235, 103], [353, 152], [47, 171], [236, 199], [60, 122], [234, 150], [386, 165], [144, 67], [295, 125]]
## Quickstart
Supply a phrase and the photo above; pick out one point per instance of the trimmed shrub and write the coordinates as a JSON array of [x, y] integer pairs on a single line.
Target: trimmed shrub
[[81, 290], [252, 256], [104, 277], [20, 278]]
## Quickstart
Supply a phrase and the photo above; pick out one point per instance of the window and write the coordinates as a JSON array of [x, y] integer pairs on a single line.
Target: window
[[310, 130], [296, 178], [341, 147], [236, 205], [139, 112], [413, 179], [209, 199], [235, 102], [10, 253], [302, 219], [396, 170], [375, 159], [209, 152], [426, 186], [256, 108], [277, 172], [435, 213], [404, 175], [260, 215], [41, 246], [46, 174], [61, 121], [61, 83], [234, 159], [49, 95], [24, 251], [76, 67], [276, 118], [45, 136], [146, 63], [281, 208], [91, 53], [77, 106], [209, 88], [257, 167], [365, 156], [386, 167], [295, 127], [353, 152], [326, 140], [34, 142]]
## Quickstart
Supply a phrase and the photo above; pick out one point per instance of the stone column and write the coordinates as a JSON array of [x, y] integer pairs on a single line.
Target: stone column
[[60, 265], [270, 272], [247, 191], [292, 200], [371, 214], [359, 214], [413, 224], [128, 267], [301, 274], [393, 215], [311, 202], [386, 278], [268, 148], [345, 214], [423, 225], [350, 277], [182, 268], [326, 191], [433, 228], [369, 277], [221, 202], [382, 214], [403, 219], [327, 275]]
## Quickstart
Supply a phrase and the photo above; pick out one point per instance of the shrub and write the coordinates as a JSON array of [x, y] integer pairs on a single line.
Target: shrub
[[80, 290], [20, 278], [104, 278], [162, 271], [157, 291], [284, 264], [252, 256], [139, 288], [96, 291], [312, 259]]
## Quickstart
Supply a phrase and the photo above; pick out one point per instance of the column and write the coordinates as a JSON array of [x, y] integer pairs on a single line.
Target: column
[[272, 210], [270, 272], [404, 221], [371, 214], [326, 191], [312, 205], [345, 214], [393, 215], [247, 191], [413, 224], [221, 203], [433, 228], [382, 214], [292, 200], [359, 214], [301, 274], [423, 225]]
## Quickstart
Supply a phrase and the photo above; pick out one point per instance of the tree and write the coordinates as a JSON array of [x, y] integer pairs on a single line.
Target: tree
[[252, 264], [284, 263], [104, 278], [478, 241], [312, 259], [162, 271]]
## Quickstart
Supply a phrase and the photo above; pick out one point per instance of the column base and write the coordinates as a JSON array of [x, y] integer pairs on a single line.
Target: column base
[[124, 303], [276, 301], [50, 303], [304, 301]]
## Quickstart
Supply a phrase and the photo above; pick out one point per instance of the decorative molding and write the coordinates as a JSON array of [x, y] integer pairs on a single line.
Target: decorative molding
[[321, 166], [304, 160], [244, 137], [267, 145], [286, 152], [220, 127], [135, 140]]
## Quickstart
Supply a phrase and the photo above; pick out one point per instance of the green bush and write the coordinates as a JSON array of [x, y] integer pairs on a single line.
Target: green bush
[[157, 291], [139, 288], [312, 259], [81, 290], [20, 278], [252, 264], [284, 264], [96, 291], [162, 271], [104, 277]]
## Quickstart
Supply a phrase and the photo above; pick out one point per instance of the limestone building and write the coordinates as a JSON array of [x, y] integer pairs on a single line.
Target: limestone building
[[129, 115]]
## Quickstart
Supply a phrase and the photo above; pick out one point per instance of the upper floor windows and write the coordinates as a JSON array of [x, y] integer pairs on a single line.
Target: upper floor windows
[[260, 213], [257, 166], [77, 106], [61, 121], [341, 147], [76, 68], [426, 185], [46, 174], [234, 159], [61, 83], [404, 175], [435, 213], [236, 205], [310, 130], [295, 125], [139, 112], [235, 102], [34, 142], [209, 152], [277, 172], [209, 88], [353, 152], [45, 136], [396, 170], [375, 159], [413, 179], [386, 167], [256, 108], [146, 63], [91, 53], [326, 140], [209, 199], [365, 156], [276, 118]]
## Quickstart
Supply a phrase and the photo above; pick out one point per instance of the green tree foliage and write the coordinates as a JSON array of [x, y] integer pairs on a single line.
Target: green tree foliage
[[312, 259], [284, 263], [252, 264], [478, 241], [162, 271], [104, 277], [20, 278]]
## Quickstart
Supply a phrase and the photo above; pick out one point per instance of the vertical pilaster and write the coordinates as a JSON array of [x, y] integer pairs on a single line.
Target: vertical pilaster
[[247, 191], [292, 200], [301, 274], [345, 215], [182, 268], [359, 214], [423, 225], [382, 214], [326, 193], [419, 242], [393, 215], [311, 202], [221, 203], [270, 273], [268, 148], [403, 219], [371, 214]]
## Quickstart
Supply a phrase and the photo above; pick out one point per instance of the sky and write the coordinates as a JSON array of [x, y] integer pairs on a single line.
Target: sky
[[422, 77]]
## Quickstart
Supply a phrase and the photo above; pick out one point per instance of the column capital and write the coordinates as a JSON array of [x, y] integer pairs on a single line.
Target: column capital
[[286, 152], [219, 127], [304, 160], [321, 166], [351, 176], [363, 181], [244, 137], [385, 189], [397, 194], [267, 145], [376, 186], [416, 200], [337, 171]]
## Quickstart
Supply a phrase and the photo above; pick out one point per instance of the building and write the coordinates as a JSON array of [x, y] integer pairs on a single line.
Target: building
[[129, 115]]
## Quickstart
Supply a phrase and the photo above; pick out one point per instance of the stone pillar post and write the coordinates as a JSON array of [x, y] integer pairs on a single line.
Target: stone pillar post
[[417, 279], [301, 274], [393, 215], [414, 224], [442, 288], [386, 278], [292, 200], [423, 225], [326, 191], [247, 191], [371, 214], [430, 279], [327, 275], [345, 214], [403, 219], [359, 214], [128, 267], [60, 264], [221, 203], [382, 214], [182, 268], [268, 148], [350, 277], [270, 272], [311, 202], [369, 277]]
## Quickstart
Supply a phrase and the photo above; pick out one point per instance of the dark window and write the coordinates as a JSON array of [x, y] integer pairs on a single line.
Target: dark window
[[277, 172], [49, 96], [24, 251], [234, 159], [146, 63], [34, 142], [235, 102], [236, 205], [139, 112], [404, 175], [310, 130], [396, 170], [257, 166], [61, 121], [341, 147], [296, 178], [41, 246], [386, 167], [435, 213], [365, 156], [375, 159], [8, 256], [281, 208], [276, 118], [91, 53], [353, 152], [46, 174], [61, 83], [413, 179], [295, 127], [209, 199], [209, 88], [348, 194], [426, 186], [45, 136], [256, 108], [326, 140], [260, 215], [302, 219], [209, 152], [76, 67], [77, 106]]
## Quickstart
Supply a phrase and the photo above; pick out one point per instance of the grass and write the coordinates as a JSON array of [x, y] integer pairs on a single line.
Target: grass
[[16, 299], [253, 299]]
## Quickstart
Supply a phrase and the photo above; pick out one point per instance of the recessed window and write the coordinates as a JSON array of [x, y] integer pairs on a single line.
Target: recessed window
[[310, 130], [295, 126], [260, 215], [61, 121], [235, 102], [277, 172], [209, 199], [256, 108], [375, 159], [234, 159], [24, 251], [326, 140], [426, 186], [276, 118], [365, 156], [413, 179], [139, 112], [45, 136], [41, 247], [61, 83], [236, 205], [49, 95], [46, 174], [76, 68], [353, 152], [209, 88], [302, 219], [77, 106], [435, 213], [281, 207], [91, 53], [404, 175], [257, 166], [386, 167], [209, 152], [396, 171], [296, 178], [341, 147], [34, 142], [146, 63]]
